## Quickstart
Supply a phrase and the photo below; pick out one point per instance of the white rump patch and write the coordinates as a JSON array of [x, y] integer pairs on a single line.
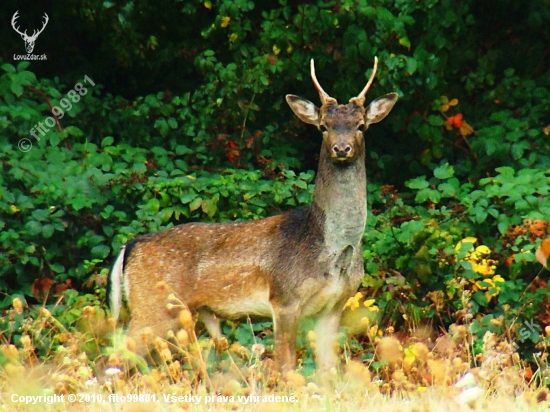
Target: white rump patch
[[117, 280]]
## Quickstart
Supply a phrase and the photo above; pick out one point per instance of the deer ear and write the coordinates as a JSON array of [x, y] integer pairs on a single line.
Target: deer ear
[[306, 111], [379, 108]]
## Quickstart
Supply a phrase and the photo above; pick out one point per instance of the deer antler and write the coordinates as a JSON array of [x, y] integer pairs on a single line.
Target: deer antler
[[360, 99], [13, 22], [36, 33], [322, 94]]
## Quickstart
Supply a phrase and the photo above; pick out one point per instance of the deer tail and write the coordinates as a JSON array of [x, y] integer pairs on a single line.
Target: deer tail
[[117, 282]]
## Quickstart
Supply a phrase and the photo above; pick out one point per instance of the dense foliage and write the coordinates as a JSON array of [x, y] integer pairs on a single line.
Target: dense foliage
[[168, 115]]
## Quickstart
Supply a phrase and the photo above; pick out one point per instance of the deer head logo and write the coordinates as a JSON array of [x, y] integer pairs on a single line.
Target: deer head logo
[[29, 40]]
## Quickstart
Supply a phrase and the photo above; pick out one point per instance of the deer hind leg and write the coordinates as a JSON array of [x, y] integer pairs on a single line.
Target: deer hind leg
[[144, 329], [285, 321], [212, 324]]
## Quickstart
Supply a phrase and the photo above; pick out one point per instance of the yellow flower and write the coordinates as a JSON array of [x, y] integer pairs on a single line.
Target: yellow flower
[[18, 305], [446, 104], [224, 21], [498, 279], [471, 240], [483, 268], [373, 331], [491, 290], [353, 302], [483, 250], [369, 304]]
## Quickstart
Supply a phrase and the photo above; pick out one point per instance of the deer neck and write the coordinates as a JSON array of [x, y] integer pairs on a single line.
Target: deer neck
[[341, 198]]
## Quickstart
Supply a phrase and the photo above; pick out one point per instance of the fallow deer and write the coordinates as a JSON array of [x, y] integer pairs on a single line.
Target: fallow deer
[[304, 263]]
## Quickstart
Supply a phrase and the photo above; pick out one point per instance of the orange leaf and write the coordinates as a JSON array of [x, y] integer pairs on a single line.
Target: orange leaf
[[62, 287], [466, 129], [538, 227], [232, 152], [528, 373], [41, 286], [543, 252]]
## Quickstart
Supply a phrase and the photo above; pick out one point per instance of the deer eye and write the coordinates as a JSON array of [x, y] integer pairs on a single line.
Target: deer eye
[[322, 128], [361, 127]]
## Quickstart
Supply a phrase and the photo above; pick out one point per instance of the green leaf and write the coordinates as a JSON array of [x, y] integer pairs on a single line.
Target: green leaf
[[444, 171], [436, 120], [480, 298], [153, 205], [515, 135], [491, 145], [23, 65], [9, 68], [26, 78], [434, 196], [162, 127], [17, 89], [33, 227], [188, 197], [100, 251], [209, 207], [447, 190], [479, 214], [505, 171], [183, 150], [412, 64], [519, 148], [422, 195], [107, 141], [404, 41], [173, 123], [503, 226], [195, 204], [54, 139], [47, 230], [301, 184], [417, 183], [57, 267], [41, 214], [73, 131], [244, 335]]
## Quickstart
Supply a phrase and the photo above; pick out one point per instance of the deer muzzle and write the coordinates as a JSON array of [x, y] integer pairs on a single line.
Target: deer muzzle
[[342, 151]]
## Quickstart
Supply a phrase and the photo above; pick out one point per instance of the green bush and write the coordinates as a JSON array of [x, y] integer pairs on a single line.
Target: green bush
[[183, 119]]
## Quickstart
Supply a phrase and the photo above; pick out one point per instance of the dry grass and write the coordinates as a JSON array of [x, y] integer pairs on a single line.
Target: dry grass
[[418, 373]]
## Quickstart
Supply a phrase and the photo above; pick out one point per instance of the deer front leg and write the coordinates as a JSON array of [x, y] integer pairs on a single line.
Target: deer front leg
[[285, 321], [325, 330]]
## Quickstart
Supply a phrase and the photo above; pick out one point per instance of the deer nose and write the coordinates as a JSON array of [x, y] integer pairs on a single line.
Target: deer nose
[[341, 150]]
